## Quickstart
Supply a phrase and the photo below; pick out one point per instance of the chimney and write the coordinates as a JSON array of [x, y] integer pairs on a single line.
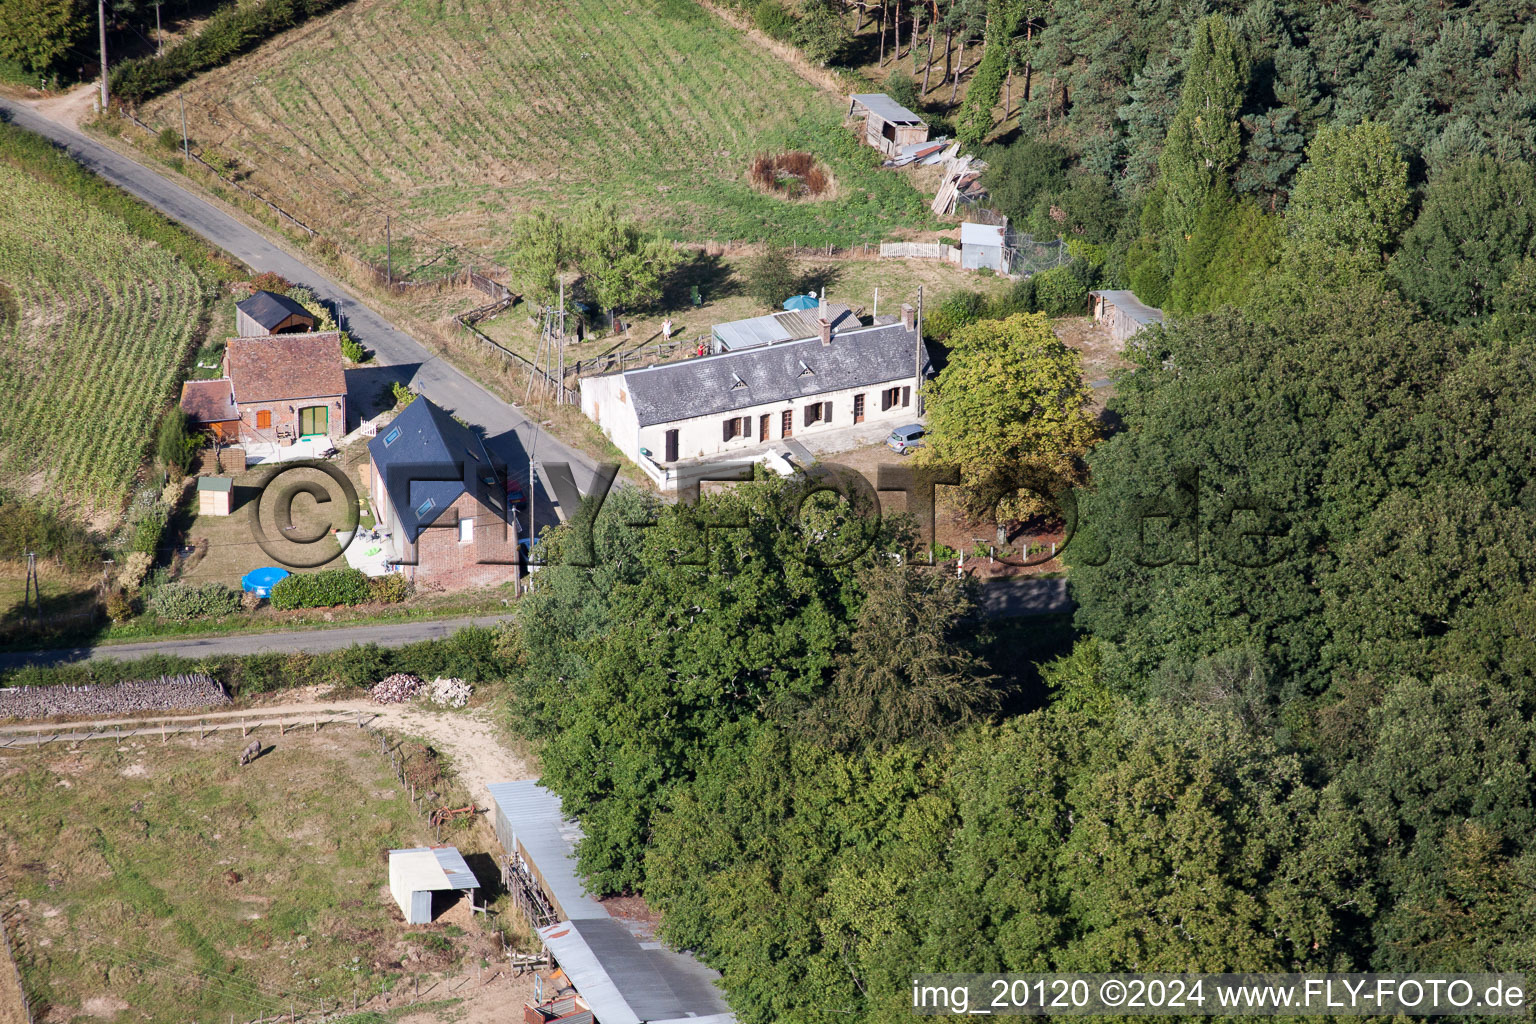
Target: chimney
[[826, 330], [908, 316], [821, 306]]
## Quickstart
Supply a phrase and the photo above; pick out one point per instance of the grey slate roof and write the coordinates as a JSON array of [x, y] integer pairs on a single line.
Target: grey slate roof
[[1127, 302], [885, 108], [625, 981], [709, 385], [270, 309], [431, 443]]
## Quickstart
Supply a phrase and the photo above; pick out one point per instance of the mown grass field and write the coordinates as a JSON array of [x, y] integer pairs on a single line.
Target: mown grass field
[[457, 115], [164, 883], [95, 322]]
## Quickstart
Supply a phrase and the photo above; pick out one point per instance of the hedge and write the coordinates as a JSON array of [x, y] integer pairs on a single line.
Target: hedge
[[28, 524], [234, 29], [321, 589], [183, 600], [472, 654], [1060, 292]]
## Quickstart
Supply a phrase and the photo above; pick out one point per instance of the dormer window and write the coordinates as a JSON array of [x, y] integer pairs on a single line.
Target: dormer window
[[805, 370], [739, 383]]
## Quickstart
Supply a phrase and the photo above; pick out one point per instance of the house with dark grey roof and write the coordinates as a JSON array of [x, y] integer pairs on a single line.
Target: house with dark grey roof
[[440, 500], [270, 313], [888, 126], [735, 403]]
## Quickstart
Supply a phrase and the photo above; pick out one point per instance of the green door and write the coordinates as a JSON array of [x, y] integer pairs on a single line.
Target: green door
[[316, 419]]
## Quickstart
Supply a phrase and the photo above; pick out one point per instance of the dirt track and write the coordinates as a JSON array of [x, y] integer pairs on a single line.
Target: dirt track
[[468, 738]]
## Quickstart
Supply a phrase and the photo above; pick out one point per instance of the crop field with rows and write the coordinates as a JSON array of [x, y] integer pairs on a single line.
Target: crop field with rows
[[457, 115], [94, 322]]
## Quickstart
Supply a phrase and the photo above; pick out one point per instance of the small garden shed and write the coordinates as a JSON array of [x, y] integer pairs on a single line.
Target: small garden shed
[[213, 495], [415, 874]]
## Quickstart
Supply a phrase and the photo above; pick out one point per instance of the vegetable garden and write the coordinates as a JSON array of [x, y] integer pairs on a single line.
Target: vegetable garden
[[102, 321]]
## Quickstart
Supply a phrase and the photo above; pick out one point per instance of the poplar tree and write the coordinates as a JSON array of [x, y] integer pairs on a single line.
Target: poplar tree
[[1205, 140]]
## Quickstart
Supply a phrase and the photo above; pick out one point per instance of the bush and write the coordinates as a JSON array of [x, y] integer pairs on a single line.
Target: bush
[[168, 139], [30, 525], [267, 281], [955, 312], [389, 589], [352, 350], [774, 20], [147, 530], [120, 605], [177, 441], [402, 394], [233, 29], [1060, 292], [321, 589], [183, 601], [901, 87]]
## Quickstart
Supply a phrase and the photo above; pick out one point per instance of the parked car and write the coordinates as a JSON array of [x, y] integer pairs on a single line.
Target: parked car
[[515, 496], [905, 440]]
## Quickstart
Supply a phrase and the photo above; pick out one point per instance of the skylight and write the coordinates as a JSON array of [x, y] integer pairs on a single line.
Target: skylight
[[425, 507], [391, 437]]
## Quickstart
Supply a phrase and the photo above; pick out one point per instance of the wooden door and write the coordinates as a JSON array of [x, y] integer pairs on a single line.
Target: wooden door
[[787, 423], [858, 408], [762, 427], [671, 446]]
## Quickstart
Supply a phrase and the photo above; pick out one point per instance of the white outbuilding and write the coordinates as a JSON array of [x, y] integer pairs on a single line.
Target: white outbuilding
[[414, 875]]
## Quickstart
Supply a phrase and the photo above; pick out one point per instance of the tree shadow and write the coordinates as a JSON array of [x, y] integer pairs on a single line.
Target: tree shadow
[[710, 274], [814, 280], [370, 390]]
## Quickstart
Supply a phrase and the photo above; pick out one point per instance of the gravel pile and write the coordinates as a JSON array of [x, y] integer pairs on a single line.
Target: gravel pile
[[396, 689], [167, 693]]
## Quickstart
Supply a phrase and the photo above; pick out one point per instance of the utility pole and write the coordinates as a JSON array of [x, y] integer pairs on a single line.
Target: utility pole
[[159, 36], [186, 150], [33, 592], [389, 253], [917, 354], [101, 21]]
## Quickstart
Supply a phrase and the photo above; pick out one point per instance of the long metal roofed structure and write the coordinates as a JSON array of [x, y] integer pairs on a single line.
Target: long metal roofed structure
[[624, 978]]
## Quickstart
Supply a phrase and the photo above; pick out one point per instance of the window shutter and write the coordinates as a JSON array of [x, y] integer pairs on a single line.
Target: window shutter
[[906, 397], [826, 412], [728, 429]]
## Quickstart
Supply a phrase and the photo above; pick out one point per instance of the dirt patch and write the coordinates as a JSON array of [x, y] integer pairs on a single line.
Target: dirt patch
[[792, 175], [103, 1006]]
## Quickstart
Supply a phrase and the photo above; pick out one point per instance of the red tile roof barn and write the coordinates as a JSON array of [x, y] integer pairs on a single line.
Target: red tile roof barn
[[208, 401], [285, 366]]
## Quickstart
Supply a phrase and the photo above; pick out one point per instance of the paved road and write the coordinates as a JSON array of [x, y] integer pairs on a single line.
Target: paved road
[[510, 434], [999, 600], [312, 641]]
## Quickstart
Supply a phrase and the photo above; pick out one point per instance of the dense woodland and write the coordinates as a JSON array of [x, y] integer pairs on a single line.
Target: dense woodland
[[1294, 732]]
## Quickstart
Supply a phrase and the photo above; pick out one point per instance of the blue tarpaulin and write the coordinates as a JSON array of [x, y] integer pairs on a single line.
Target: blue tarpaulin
[[261, 581], [808, 301]]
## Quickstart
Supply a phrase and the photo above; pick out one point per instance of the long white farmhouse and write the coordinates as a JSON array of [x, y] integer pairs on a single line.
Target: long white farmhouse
[[736, 404]]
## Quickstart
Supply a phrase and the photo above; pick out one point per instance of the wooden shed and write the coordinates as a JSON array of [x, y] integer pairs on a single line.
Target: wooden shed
[[888, 125], [270, 313], [214, 494]]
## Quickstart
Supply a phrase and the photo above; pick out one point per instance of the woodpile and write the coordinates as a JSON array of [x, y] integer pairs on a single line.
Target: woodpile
[[396, 689], [167, 693]]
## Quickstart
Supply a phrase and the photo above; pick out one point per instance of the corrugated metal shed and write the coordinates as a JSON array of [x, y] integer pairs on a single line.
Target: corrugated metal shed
[[528, 818], [415, 874], [885, 108], [787, 325], [1127, 303], [981, 234], [625, 981]]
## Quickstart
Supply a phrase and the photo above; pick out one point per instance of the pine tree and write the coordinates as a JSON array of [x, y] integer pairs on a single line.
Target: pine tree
[[1271, 156]]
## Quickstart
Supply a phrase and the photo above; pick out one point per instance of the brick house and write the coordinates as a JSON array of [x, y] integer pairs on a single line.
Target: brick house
[[286, 387], [210, 404], [441, 501]]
